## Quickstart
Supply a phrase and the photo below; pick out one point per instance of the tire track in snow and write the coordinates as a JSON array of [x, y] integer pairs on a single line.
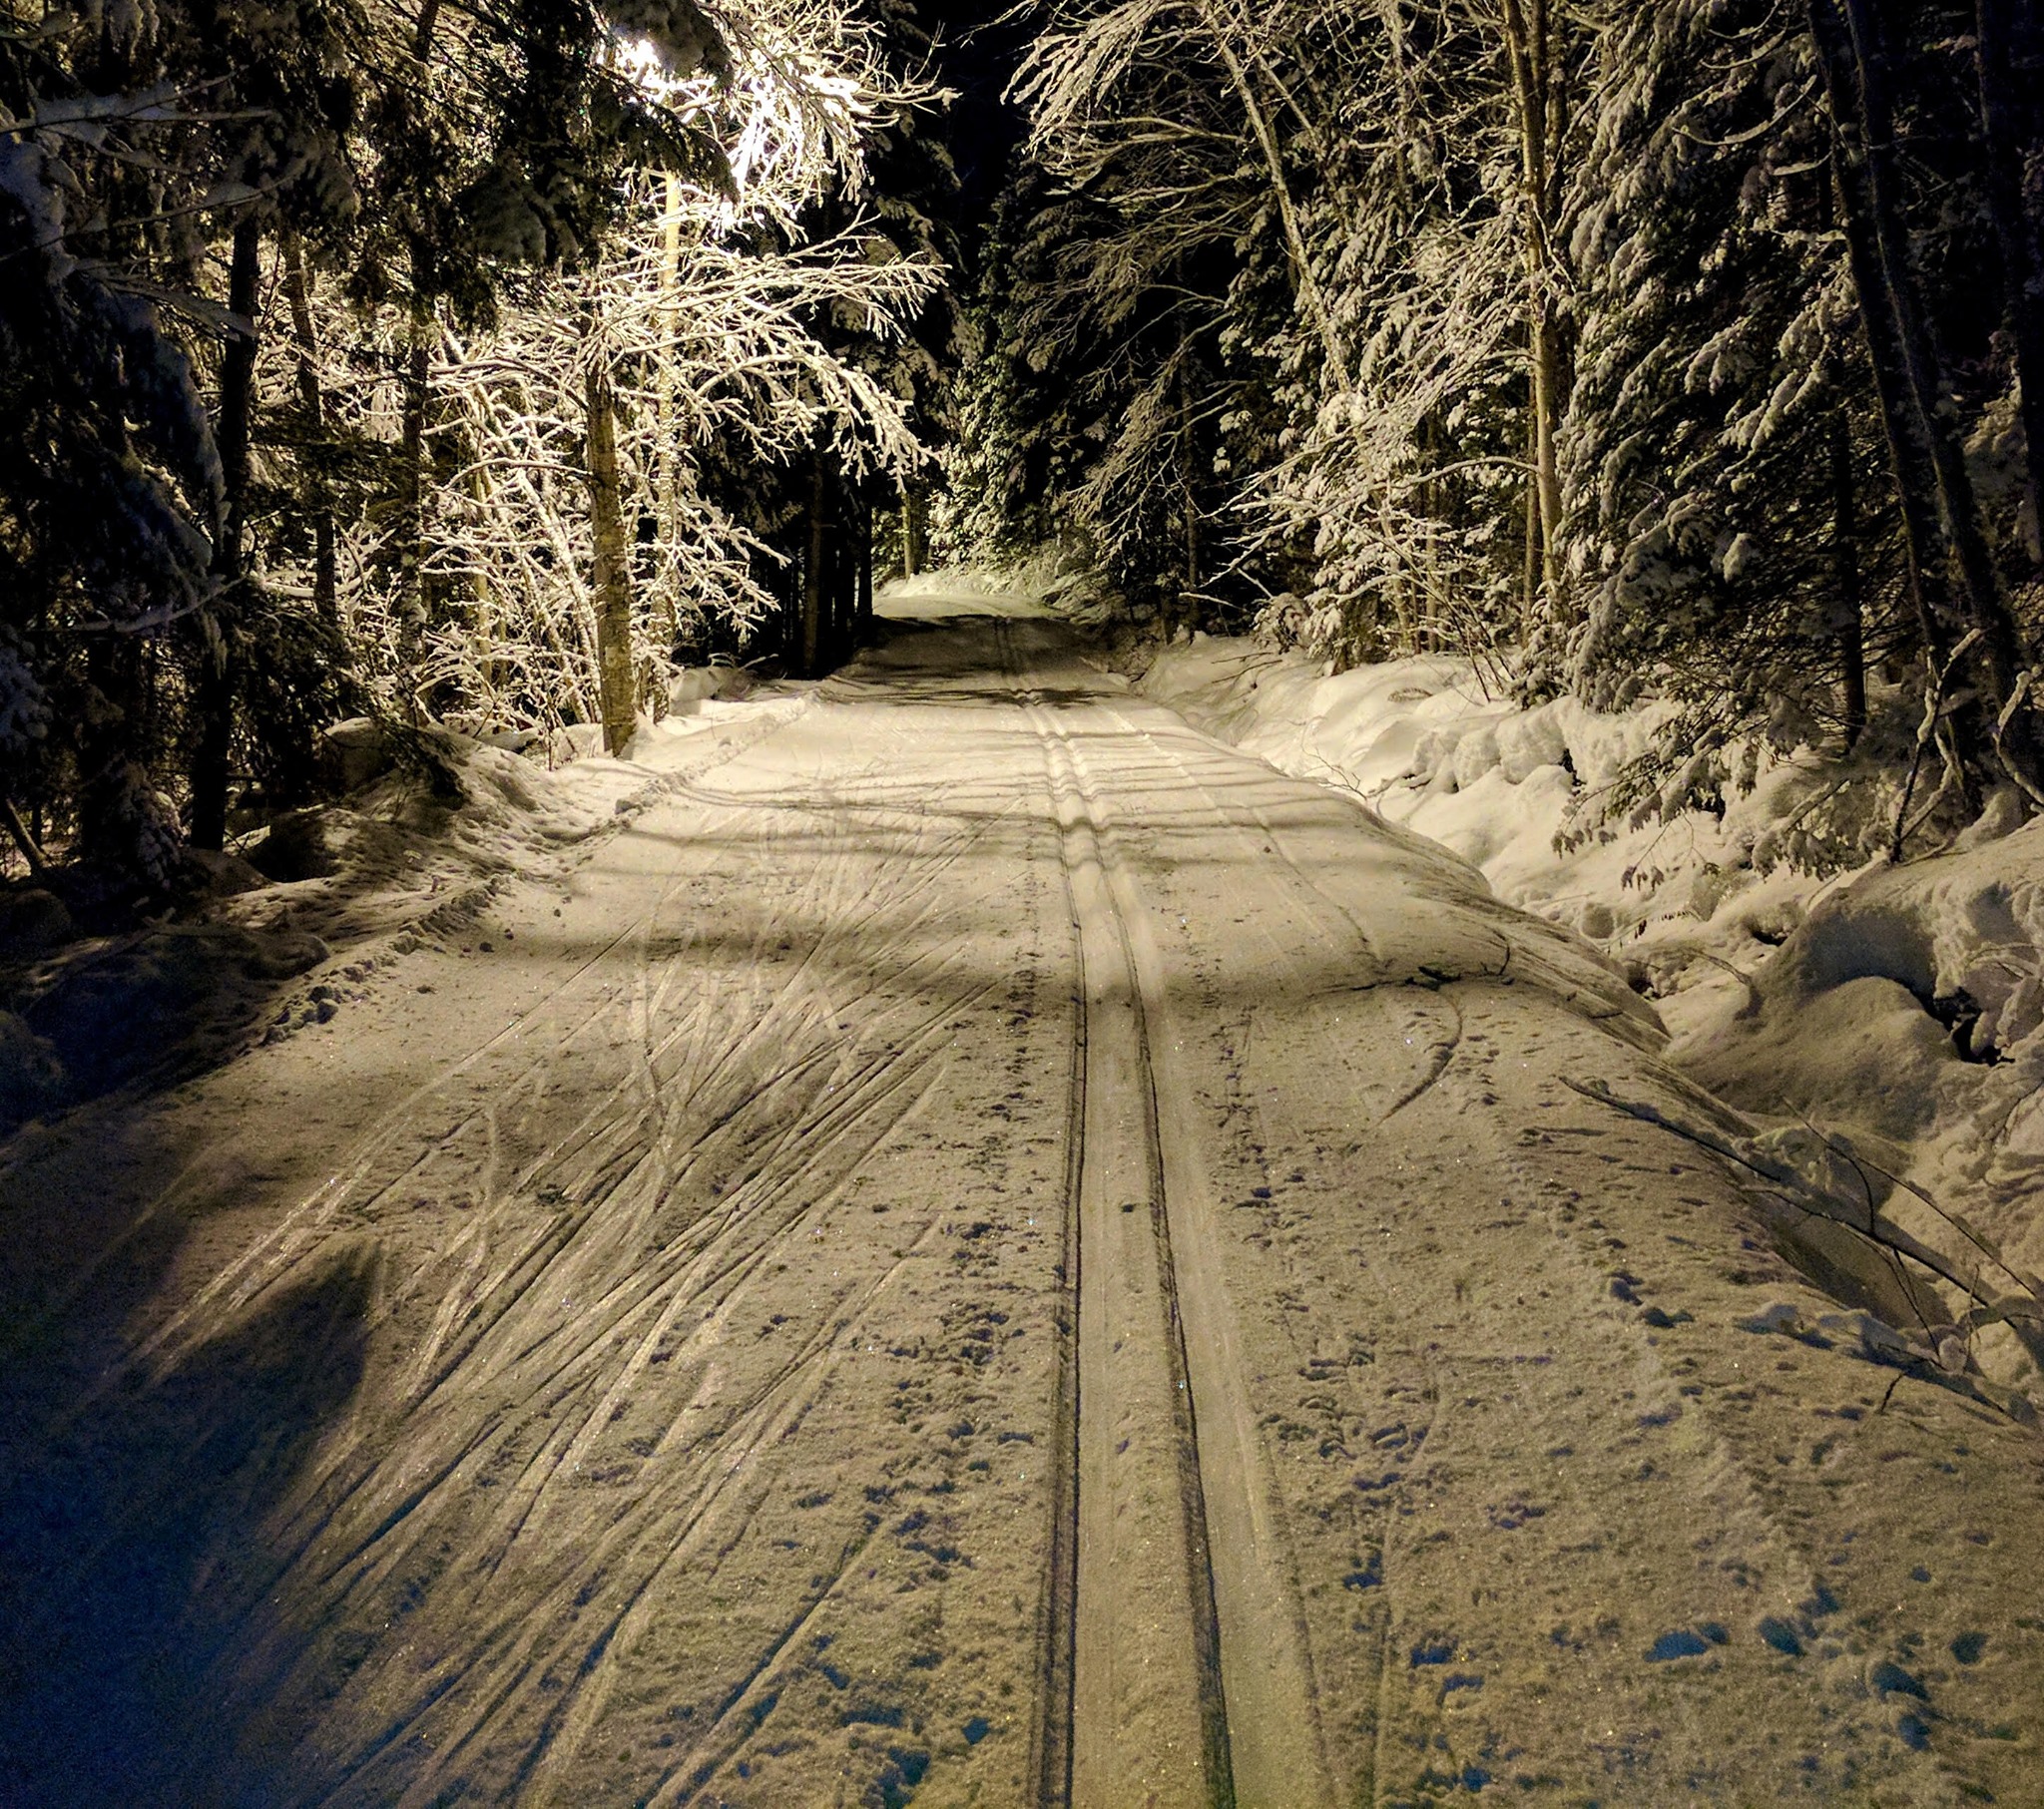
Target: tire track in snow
[[1050, 1740]]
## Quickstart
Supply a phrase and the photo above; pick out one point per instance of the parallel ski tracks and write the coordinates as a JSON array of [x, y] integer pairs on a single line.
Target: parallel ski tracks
[[1177, 1668]]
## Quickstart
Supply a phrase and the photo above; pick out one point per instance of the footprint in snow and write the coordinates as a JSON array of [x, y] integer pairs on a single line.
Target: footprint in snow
[[1684, 1644]]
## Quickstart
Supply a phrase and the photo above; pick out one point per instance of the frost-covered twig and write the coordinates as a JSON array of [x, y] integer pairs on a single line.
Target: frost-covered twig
[[2023, 1304]]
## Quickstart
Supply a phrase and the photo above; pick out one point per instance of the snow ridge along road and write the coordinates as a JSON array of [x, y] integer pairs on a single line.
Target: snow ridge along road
[[986, 1250]]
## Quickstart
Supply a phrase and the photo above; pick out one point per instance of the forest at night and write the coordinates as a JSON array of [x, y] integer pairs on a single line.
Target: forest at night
[[1053, 904], [481, 367]]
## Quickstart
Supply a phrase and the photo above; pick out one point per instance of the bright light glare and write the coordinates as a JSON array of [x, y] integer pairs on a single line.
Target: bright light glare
[[642, 63]]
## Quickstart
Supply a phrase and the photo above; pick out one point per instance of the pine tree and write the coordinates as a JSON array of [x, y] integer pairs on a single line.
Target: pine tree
[[110, 481], [1723, 415]]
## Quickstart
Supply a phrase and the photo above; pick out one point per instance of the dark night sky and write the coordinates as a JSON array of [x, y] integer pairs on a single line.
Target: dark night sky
[[978, 50]]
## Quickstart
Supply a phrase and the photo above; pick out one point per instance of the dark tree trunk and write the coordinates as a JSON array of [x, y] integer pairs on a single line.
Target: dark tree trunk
[[31, 849], [845, 572], [1886, 332], [814, 579], [795, 578], [326, 569], [1848, 592], [915, 552], [864, 624], [421, 330], [1914, 483], [108, 734], [2007, 39], [215, 687], [1857, 75], [616, 675], [1188, 470], [1957, 506], [784, 581]]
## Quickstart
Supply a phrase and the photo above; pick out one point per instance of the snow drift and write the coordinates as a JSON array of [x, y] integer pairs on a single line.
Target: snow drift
[[1889, 1018]]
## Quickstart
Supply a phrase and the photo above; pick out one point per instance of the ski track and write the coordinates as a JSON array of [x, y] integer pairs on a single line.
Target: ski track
[[1011, 1255], [796, 1123]]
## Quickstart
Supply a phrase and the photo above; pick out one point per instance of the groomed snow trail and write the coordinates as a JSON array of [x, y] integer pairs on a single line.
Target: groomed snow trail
[[986, 1250]]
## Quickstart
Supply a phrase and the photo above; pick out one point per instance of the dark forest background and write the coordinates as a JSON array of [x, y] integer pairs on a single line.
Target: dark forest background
[[484, 364]]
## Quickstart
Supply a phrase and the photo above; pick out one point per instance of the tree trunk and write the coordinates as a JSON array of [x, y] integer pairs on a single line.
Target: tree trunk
[[844, 616], [616, 674], [422, 329], [2006, 37], [851, 567], [1908, 458], [326, 569], [1960, 511], [31, 849], [1848, 610], [836, 582], [813, 575], [216, 690], [1406, 632], [1529, 579], [1188, 470], [1914, 483], [864, 628], [914, 531], [667, 467], [108, 733], [1536, 91], [419, 372], [1857, 77]]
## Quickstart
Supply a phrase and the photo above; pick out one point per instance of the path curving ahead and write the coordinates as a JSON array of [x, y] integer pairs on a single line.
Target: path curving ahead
[[987, 1250]]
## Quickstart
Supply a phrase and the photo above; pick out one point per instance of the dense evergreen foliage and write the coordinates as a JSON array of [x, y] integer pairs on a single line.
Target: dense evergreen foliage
[[1670, 349]]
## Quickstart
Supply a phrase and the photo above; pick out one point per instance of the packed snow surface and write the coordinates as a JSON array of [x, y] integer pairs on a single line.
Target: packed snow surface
[[1893, 1011], [977, 1246]]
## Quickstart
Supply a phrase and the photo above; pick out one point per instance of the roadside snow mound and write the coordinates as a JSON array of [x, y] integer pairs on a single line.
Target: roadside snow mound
[[276, 937], [1426, 745], [1902, 1006], [448, 823], [1911, 1003]]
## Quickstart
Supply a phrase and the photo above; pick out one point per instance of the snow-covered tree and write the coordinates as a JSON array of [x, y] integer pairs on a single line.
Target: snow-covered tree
[[1117, 268], [1721, 426], [566, 515], [111, 484], [1363, 209], [398, 341]]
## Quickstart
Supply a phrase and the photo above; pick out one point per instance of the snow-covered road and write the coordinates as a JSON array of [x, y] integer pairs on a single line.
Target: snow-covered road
[[986, 1249]]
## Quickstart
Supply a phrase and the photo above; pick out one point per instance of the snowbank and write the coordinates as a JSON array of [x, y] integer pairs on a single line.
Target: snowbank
[[1898, 1010], [1427, 746], [280, 933]]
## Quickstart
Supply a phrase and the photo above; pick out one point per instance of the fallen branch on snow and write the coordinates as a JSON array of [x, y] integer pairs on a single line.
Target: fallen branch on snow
[[1949, 1342]]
